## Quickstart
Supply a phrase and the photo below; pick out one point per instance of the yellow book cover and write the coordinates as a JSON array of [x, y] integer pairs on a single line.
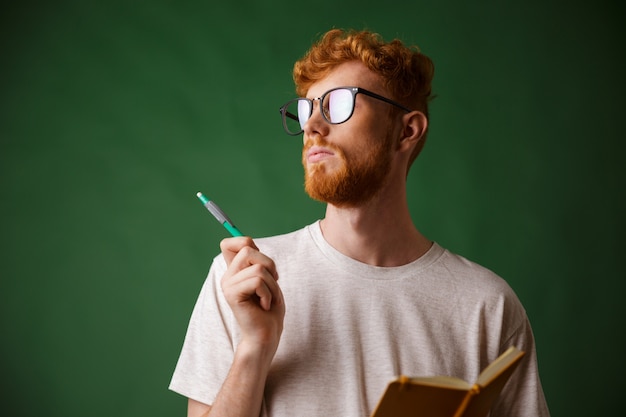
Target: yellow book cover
[[444, 396]]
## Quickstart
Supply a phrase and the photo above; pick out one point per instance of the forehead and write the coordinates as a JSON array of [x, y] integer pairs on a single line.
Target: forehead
[[353, 74]]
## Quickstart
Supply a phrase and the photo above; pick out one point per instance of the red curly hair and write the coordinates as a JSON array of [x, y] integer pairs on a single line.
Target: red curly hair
[[405, 71]]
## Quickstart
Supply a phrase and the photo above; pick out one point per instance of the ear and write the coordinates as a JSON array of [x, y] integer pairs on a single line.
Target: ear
[[414, 127]]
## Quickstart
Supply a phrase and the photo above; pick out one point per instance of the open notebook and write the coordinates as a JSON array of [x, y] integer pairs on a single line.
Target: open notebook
[[444, 396]]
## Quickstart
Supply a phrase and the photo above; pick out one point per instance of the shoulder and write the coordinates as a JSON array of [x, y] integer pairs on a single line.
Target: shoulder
[[465, 272], [273, 246], [478, 285], [287, 243]]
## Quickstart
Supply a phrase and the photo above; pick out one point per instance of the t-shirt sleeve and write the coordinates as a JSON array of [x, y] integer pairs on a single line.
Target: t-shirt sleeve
[[208, 348], [522, 395]]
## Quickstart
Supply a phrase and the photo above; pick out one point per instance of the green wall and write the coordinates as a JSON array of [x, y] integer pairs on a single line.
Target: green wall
[[114, 114]]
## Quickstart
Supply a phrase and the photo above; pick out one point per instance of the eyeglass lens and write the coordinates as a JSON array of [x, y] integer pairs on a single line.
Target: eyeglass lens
[[336, 107]]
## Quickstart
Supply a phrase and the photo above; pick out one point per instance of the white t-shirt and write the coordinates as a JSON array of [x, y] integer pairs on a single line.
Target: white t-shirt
[[350, 328]]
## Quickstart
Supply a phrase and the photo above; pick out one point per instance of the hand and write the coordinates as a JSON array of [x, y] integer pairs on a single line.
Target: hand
[[251, 289]]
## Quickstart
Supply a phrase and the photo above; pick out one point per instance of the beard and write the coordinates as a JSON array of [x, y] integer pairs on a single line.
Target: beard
[[360, 177]]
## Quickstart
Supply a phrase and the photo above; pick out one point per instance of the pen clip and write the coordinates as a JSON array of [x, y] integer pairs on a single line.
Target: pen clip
[[218, 213]]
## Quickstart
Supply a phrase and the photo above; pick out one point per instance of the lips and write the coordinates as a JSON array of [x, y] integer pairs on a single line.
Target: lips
[[318, 153]]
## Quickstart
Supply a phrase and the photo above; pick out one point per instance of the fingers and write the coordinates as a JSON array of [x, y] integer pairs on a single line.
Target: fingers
[[241, 252], [252, 284], [251, 276], [232, 245], [251, 289]]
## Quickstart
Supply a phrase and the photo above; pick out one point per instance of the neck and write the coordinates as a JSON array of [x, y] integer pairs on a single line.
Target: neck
[[379, 233]]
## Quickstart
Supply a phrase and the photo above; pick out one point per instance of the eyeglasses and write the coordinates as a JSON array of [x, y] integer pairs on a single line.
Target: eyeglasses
[[336, 106]]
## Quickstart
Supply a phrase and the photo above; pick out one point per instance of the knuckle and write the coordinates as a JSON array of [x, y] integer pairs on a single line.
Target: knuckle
[[257, 283], [257, 269], [225, 283], [246, 251]]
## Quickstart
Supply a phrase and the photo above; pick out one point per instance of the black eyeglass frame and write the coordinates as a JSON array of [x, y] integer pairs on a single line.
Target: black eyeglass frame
[[354, 90]]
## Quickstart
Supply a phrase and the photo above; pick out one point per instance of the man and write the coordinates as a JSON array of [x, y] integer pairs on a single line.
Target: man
[[318, 321]]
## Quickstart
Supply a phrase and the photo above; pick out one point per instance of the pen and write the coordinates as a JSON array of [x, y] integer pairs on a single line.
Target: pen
[[219, 215]]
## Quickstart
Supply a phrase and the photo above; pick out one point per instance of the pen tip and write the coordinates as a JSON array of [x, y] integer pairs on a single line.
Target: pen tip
[[198, 194]]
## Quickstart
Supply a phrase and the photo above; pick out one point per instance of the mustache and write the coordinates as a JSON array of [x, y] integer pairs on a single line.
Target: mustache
[[319, 142]]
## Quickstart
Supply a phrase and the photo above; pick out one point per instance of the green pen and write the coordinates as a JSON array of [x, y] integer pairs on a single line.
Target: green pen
[[219, 215]]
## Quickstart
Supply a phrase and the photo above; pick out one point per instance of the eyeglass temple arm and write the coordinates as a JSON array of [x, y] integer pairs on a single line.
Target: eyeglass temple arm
[[385, 99], [291, 116]]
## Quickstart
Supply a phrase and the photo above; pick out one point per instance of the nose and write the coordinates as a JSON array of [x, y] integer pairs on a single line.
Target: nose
[[316, 123]]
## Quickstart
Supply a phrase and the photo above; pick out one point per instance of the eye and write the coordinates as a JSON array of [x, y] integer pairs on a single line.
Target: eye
[[326, 109], [341, 105]]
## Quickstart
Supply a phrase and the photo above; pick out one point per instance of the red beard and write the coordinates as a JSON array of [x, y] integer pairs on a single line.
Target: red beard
[[361, 176]]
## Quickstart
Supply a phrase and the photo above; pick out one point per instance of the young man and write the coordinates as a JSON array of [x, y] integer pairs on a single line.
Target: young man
[[318, 321]]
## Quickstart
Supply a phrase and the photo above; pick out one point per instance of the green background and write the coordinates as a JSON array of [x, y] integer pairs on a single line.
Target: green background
[[114, 114]]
